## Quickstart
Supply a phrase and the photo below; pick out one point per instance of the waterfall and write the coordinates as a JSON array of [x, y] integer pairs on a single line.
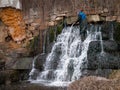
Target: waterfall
[[68, 57], [111, 33], [101, 41], [55, 32], [31, 74], [44, 42]]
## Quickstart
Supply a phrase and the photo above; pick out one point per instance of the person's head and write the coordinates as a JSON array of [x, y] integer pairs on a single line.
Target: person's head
[[81, 10]]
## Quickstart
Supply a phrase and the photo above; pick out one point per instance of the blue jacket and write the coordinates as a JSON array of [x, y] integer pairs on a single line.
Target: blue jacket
[[82, 15]]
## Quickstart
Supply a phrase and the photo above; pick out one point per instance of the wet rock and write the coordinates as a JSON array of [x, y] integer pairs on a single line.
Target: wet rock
[[118, 47], [95, 46], [2, 65], [28, 86], [9, 76], [2, 77], [97, 72], [94, 49], [23, 74], [108, 30], [39, 62], [34, 73], [41, 58], [49, 47], [109, 59], [110, 45]]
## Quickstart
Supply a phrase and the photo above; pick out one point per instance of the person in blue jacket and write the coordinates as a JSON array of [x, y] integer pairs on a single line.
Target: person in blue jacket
[[82, 19]]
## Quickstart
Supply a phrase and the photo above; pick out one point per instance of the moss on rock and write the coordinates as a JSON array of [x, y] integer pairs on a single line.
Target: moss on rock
[[51, 34], [34, 45], [59, 29]]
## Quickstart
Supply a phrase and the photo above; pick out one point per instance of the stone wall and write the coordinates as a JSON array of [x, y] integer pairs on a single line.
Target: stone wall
[[70, 8]]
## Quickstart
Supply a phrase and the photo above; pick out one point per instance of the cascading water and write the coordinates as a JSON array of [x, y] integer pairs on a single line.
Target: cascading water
[[44, 42], [111, 33], [33, 69], [101, 41], [68, 57]]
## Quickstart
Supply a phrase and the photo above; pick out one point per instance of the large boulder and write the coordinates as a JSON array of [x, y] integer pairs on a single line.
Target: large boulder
[[95, 83], [39, 61], [109, 59]]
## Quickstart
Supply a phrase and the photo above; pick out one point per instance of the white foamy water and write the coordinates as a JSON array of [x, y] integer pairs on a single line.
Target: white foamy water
[[68, 56]]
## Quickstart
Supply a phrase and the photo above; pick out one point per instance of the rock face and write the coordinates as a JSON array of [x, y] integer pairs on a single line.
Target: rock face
[[3, 33], [15, 63], [71, 7], [94, 83], [93, 18]]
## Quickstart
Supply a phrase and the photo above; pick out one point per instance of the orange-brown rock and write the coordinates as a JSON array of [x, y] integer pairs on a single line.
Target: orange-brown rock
[[95, 83], [12, 18]]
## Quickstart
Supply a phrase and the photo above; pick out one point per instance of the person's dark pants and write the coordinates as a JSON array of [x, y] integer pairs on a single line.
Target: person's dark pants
[[83, 29]]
